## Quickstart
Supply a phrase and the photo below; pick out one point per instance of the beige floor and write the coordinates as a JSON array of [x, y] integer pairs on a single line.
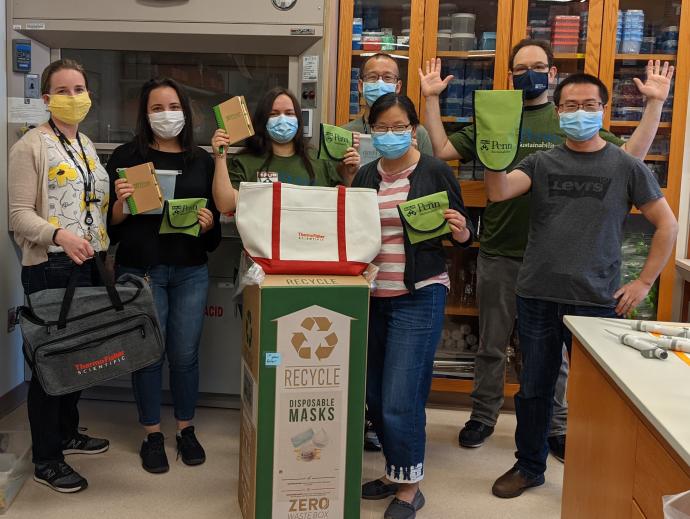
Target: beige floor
[[457, 485]]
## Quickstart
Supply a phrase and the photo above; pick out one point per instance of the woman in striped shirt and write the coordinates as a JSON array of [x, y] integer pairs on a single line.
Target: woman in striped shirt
[[407, 307]]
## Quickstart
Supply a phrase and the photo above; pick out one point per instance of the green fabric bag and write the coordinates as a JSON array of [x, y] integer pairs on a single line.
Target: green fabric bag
[[180, 215], [423, 217], [497, 126], [334, 142]]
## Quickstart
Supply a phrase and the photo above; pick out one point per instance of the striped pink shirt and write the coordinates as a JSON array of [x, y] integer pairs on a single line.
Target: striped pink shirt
[[393, 190]]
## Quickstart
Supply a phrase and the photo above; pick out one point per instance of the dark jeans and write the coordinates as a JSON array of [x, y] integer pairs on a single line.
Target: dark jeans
[[403, 335], [53, 419], [180, 294], [542, 335]]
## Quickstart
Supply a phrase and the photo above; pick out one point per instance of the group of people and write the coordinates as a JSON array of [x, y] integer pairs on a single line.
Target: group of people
[[550, 246]]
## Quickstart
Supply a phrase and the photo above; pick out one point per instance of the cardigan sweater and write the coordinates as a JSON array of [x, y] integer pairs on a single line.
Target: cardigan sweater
[[425, 259]]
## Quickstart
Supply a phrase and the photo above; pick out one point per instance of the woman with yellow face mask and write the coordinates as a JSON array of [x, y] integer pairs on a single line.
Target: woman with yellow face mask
[[58, 198]]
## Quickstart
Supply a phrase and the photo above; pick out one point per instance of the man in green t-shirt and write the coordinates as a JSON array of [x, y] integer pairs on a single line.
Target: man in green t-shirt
[[380, 75], [505, 224]]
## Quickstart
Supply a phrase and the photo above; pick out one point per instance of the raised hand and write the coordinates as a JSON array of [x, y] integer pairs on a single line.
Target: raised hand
[[431, 82], [658, 82]]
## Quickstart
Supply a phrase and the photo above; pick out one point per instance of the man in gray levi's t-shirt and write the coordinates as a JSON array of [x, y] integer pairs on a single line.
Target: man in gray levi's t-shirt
[[580, 194], [579, 204]]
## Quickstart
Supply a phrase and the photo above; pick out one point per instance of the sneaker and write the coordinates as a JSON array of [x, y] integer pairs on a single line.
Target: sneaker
[[557, 447], [474, 433], [378, 489], [371, 440], [152, 453], [83, 444], [60, 477], [189, 447]]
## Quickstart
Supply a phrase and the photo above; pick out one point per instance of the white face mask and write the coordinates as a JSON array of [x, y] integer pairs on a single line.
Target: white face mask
[[167, 125]]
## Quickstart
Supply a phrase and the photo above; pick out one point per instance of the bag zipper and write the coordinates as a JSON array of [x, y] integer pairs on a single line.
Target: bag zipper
[[141, 329], [84, 332]]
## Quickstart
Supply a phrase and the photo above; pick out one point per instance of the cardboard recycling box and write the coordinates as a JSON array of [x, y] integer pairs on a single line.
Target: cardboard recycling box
[[303, 377]]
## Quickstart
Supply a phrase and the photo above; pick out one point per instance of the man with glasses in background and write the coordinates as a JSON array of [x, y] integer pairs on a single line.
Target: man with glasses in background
[[581, 193], [503, 235]]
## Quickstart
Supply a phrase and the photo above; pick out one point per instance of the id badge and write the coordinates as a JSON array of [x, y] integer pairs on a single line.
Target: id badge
[[267, 177]]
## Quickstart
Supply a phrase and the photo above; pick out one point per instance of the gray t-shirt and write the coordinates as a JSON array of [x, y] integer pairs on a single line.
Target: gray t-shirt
[[579, 202], [423, 140]]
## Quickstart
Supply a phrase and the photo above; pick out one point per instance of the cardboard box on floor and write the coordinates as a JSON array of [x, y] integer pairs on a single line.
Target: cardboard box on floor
[[302, 418]]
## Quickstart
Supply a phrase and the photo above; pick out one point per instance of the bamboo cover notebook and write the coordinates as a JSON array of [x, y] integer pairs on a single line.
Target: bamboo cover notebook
[[233, 117], [147, 195]]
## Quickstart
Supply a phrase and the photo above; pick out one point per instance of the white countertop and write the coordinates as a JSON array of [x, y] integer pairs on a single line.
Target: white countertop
[[659, 389]]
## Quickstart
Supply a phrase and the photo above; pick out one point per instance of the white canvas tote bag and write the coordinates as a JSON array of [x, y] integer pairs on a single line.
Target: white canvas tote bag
[[290, 229]]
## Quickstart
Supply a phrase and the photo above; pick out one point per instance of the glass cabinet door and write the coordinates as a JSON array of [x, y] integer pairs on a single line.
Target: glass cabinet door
[[564, 25], [644, 32], [116, 77], [378, 26]]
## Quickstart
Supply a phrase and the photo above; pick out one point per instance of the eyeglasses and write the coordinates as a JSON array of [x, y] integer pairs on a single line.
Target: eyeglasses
[[518, 70], [587, 106], [398, 129], [373, 78]]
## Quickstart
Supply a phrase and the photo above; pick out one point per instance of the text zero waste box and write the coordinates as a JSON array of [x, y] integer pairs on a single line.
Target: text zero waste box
[[303, 377]]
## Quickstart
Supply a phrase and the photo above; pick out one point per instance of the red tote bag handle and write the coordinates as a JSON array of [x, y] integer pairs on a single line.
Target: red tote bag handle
[[275, 222]]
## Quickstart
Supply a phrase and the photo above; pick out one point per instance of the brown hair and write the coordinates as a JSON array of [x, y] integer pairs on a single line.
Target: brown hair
[[528, 42], [55, 66]]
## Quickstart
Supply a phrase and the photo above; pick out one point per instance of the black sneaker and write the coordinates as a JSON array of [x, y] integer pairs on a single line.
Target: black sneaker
[[152, 453], [60, 477], [189, 447], [83, 444], [371, 439], [474, 433], [557, 447]]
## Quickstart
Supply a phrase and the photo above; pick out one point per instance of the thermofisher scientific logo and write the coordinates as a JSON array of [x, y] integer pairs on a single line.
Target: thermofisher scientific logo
[[104, 362], [310, 236]]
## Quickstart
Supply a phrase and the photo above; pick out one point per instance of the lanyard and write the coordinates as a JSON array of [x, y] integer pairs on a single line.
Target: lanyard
[[88, 177]]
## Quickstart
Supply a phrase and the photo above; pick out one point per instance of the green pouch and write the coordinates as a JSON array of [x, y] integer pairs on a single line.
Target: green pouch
[[497, 125], [180, 216], [334, 142], [423, 217]]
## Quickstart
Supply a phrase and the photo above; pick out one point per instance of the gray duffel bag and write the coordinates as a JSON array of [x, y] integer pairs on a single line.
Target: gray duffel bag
[[78, 337]]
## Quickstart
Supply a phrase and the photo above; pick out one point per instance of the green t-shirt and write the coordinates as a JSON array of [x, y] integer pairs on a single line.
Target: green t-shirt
[[505, 225], [423, 140], [245, 168]]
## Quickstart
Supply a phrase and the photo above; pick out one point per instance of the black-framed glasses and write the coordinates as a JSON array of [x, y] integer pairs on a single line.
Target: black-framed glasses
[[373, 78], [587, 106], [398, 129], [518, 70]]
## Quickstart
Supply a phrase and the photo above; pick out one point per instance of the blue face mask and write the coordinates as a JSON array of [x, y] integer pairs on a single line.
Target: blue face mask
[[581, 125], [282, 128], [532, 83], [372, 91], [392, 146]]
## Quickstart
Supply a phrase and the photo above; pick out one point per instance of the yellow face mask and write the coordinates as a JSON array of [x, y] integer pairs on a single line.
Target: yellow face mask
[[69, 109]]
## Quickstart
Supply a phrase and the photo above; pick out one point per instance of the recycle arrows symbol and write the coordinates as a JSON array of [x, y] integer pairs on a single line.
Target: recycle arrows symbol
[[322, 351], [298, 341]]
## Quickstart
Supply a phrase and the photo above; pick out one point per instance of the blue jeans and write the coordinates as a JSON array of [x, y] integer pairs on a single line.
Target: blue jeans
[[180, 295], [404, 332], [542, 335]]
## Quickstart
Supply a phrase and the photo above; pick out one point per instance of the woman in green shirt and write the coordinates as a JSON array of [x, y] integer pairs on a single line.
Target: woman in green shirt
[[275, 153]]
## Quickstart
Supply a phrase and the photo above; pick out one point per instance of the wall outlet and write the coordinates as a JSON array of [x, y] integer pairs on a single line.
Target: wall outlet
[[11, 319]]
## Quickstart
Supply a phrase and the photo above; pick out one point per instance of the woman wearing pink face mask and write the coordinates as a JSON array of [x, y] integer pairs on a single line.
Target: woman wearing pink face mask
[[58, 198]]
